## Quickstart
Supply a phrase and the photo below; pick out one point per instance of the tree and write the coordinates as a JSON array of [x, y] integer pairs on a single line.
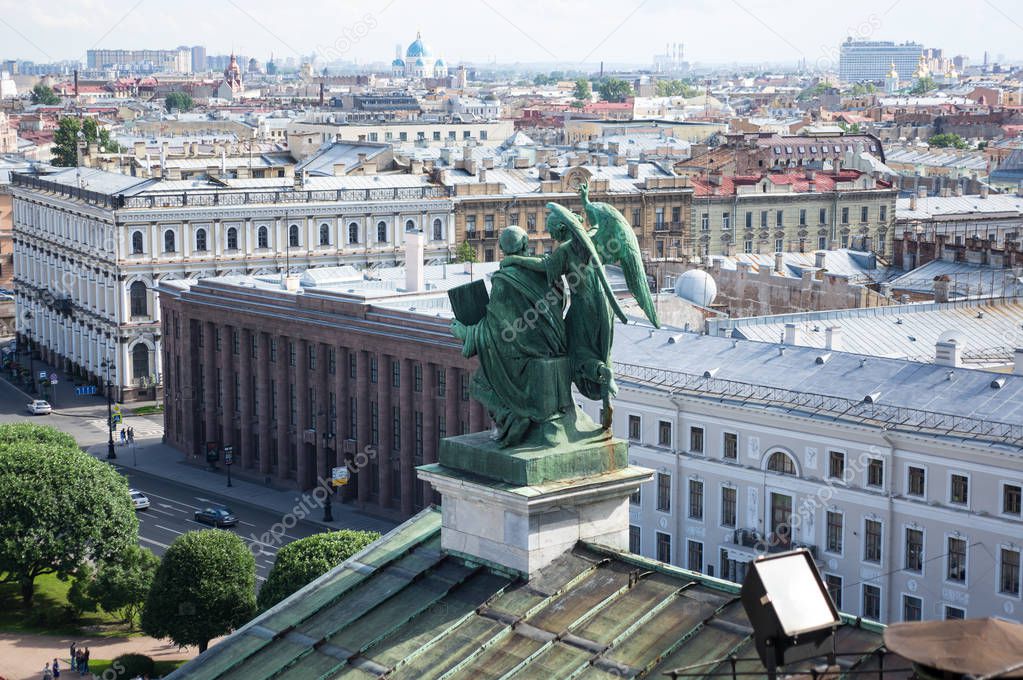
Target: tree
[[675, 88], [61, 507], [121, 585], [44, 94], [614, 90], [466, 252], [66, 139], [582, 91], [860, 89], [204, 587], [923, 85], [182, 101], [301, 561], [947, 140]]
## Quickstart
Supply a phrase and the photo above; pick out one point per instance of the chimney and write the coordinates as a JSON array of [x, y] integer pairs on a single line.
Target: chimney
[[983, 190], [791, 334], [912, 202], [339, 169], [820, 259], [291, 282], [1019, 189], [483, 174], [414, 268], [779, 262], [1017, 367], [833, 338], [416, 167], [921, 192], [947, 353], [634, 169], [941, 288]]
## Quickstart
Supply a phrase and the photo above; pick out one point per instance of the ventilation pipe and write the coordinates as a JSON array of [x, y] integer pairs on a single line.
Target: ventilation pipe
[[414, 268], [833, 338]]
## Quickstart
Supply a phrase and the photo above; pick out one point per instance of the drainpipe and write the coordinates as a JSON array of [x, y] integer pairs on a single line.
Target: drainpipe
[[891, 526]]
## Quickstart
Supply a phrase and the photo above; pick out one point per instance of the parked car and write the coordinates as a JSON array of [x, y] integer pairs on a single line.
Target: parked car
[[139, 499], [40, 407], [217, 516]]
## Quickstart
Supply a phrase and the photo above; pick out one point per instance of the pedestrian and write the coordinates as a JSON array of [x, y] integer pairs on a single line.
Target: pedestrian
[[124, 436], [56, 669], [85, 661], [78, 660], [71, 656], [131, 435], [47, 673]]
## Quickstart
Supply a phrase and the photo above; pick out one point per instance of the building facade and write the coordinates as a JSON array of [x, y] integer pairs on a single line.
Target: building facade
[[908, 515], [872, 60], [88, 260], [340, 369], [141, 61], [306, 137]]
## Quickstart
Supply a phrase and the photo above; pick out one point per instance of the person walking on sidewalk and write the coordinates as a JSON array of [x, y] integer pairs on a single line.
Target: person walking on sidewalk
[[131, 435], [71, 656], [56, 669], [47, 673], [124, 436], [85, 662]]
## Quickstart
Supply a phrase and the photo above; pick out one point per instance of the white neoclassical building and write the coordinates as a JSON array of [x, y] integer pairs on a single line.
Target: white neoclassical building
[[903, 479], [419, 62], [90, 247]]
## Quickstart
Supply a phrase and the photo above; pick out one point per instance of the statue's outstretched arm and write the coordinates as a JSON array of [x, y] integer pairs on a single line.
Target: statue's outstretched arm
[[533, 263]]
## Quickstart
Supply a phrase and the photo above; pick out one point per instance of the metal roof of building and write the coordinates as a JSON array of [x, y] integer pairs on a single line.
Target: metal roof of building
[[857, 266], [404, 608], [936, 158], [965, 279], [958, 207], [99, 181]]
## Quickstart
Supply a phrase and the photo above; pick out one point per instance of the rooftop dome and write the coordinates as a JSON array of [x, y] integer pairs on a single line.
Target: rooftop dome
[[398, 62], [420, 62], [696, 286], [440, 62], [418, 48]]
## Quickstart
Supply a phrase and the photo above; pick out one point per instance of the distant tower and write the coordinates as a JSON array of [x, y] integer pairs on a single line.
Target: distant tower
[[891, 83], [922, 69]]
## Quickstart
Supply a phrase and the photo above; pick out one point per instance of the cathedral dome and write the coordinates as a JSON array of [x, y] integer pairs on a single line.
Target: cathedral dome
[[398, 62], [418, 48]]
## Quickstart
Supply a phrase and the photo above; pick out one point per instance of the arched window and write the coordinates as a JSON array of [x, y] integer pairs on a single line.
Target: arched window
[[293, 236], [438, 230], [137, 243], [139, 299], [168, 241], [781, 462], [381, 232], [324, 235], [353, 232], [410, 225], [232, 238], [139, 361], [263, 238], [200, 240]]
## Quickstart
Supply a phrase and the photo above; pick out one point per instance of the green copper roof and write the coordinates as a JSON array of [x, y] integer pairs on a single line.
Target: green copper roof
[[405, 609]]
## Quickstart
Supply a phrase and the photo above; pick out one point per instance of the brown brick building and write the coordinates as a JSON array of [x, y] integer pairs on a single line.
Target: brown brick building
[[299, 380]]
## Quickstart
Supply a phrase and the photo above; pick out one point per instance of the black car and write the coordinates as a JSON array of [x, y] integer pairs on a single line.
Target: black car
[[217, 515]]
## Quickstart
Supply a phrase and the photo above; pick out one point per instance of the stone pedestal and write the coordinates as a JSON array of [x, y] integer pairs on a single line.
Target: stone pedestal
[[523, 509]]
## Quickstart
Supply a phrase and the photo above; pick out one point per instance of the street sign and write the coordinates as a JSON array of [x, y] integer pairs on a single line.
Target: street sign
[[339, 476], [42, 375], [53, 378], [212, 452], [228, 455]]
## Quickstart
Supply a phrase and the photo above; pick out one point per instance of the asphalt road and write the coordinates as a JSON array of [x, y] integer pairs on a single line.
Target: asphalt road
[[171, 514]]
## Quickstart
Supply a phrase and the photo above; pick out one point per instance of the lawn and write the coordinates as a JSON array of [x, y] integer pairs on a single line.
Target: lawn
[[149, 410], [161, 668], [49, 613]]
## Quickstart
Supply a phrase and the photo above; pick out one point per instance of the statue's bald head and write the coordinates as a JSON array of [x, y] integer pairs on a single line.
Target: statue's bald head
[[513, 240]]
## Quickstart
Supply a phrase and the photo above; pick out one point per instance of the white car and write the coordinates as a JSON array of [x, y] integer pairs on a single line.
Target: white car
[[139, 499], [39, 407]]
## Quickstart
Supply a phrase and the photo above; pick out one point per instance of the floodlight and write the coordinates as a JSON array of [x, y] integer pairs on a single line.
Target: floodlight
[[789, 607]]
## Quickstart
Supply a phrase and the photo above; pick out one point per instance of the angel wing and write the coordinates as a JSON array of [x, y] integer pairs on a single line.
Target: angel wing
[[617, 244]]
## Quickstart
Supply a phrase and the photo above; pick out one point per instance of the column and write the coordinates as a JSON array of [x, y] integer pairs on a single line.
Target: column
[[430, 412], [245, 385], [209, 387], [227, 388], [408, 436], [263, 400], [384, 388], [302, 411], [283, 406], [362, 440]]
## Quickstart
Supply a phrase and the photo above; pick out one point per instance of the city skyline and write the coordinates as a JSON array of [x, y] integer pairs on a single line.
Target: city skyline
[[569, 34]]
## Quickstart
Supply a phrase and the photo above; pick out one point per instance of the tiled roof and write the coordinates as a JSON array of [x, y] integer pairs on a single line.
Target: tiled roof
[[822, 182], [405, 609]]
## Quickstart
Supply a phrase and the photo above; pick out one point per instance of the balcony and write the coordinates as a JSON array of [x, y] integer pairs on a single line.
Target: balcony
[[772, 543]]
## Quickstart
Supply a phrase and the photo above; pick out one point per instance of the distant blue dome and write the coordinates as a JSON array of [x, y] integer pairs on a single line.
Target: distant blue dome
[[439, 62], [420, 62], [418, 48], [398, 62]]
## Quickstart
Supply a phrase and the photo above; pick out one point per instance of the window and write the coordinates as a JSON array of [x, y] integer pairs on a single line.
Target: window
[[676, 215], [864, 214], [273, 350], [410, 225], [823, 216], [704, 221], [802, 217], [664, 434], [137, 243], [262, 238], [726, 221], [488, 224], [139, 361], [1008, 582], [779, 245], [352, 365], [353, 233], [871, 602], [395, 373], [436, 135], [834, 584], [168, 242], [875, 472], [636, 497], [747, 246], [960, 491], [953, 613], [634, 539], [373, 372], [822, 242], [200, 240], [232, 238], [835, 530], [836, 465], [914, 549], [417, 377], [438, 230], [637, 217], [763, 219], [956, 559], [696, 439], [139, 299], [695, 499], [441, 381], [381, 232], [779, 218], [882, 213], [1011, 499], [912, 607], [730, 446], [291, 353], [663, 492], [845, 215], [915, 485], [694, 551], [331, 361], [395, 428], [324, 235], [634, 428], [663, 548], [872, 541], [780, 462], [236, 341], [728, 506], [530, 223]]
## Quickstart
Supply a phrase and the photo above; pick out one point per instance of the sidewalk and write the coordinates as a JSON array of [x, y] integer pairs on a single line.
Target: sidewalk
[[160, 460]]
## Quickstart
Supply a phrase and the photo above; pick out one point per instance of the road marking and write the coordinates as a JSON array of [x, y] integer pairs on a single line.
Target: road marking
[[162, 512], [149, 540], [173, 531], [173, 500]]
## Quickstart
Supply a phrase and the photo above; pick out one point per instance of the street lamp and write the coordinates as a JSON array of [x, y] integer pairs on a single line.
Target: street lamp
[[111, 454], [328, 513]]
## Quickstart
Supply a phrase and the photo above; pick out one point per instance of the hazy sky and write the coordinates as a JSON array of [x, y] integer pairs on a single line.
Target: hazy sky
[[508, 30]]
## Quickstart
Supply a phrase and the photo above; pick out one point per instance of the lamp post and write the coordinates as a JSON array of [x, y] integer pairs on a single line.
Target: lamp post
[[111, 454], [328, 513]]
